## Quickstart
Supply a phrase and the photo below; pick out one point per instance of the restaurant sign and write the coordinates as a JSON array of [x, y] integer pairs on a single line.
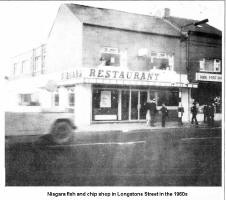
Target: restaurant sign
[[208, 77], [106, 73]]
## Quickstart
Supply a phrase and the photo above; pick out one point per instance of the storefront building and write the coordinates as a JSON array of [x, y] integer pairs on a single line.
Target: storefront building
[[204, 60], [104, 69]]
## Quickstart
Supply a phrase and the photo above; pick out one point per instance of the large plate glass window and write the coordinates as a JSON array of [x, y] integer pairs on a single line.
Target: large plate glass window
[[105, 104], [169, 97]]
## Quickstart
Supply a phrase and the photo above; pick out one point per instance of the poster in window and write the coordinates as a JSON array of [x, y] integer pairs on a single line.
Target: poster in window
[[105, 99]]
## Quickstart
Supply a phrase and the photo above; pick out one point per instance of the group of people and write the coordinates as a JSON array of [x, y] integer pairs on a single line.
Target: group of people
[[208, 112], [151, 108]]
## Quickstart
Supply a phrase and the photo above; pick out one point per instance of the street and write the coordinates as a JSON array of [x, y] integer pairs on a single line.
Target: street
[[160, 157]]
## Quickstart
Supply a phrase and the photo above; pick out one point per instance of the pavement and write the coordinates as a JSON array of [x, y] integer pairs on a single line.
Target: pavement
[[106, 128], [131, 126]]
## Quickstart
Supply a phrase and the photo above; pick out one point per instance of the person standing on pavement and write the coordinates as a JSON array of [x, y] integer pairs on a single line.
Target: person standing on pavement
[[153, 111], [164, 111], [148, 112], [194, 111], [205, 112], [211, 114], [180, 114]]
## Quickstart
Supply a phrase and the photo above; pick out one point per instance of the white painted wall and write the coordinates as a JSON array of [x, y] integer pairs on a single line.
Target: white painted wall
[[64, 45], [45, 99], [63, 98], [185, 100], [83, 104]]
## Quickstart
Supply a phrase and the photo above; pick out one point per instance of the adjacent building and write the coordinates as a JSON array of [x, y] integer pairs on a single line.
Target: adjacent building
[[204, 59], [103, 65]]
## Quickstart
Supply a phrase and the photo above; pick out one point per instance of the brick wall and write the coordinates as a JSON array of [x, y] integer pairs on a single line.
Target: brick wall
[[94, 38], [203, 47]]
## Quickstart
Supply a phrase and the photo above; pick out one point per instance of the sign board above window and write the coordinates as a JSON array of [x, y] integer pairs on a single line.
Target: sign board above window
[[208, 77], [110, 50]]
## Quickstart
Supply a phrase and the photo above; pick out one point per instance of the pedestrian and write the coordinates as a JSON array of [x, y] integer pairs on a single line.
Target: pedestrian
[[208, 109], [148, 112], [153, 111], [211, 114], [194, 111], [164, 111], [205, 112], [180, 114]]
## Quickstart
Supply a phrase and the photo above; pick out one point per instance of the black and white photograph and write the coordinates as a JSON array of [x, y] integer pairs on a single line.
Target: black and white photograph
[[113, 93]]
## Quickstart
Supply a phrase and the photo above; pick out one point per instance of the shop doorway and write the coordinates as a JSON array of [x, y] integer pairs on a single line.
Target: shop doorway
[[133, 104]]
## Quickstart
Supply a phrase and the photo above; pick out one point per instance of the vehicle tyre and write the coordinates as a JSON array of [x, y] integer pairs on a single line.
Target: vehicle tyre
[[61, 132]]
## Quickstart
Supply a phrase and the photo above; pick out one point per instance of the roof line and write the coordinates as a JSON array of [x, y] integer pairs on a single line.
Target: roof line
[[146, 32], [116, 10], [171, 24]]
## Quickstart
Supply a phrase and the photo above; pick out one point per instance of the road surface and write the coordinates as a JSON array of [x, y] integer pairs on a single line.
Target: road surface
[[163, 157]]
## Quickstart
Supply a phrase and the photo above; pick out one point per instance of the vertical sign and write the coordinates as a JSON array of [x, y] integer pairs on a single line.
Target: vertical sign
[[105, 99]]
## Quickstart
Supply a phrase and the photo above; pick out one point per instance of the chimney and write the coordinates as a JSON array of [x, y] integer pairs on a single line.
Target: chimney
[[166, 12]]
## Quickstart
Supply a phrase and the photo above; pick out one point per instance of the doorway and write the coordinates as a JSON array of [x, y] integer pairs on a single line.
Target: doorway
[[133, 104]]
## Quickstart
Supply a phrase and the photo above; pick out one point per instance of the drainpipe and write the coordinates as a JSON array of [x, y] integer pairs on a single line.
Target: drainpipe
[[188, 54]]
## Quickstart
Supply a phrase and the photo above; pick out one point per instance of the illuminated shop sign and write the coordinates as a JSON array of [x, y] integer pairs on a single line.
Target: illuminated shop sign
[[208, 77]]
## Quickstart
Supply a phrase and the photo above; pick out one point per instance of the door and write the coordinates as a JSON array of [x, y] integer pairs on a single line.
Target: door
[[134, 105], [143, 100], [125, 105]]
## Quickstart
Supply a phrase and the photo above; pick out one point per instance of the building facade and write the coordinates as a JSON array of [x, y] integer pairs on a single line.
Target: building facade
[[203, 45], [104, 69]]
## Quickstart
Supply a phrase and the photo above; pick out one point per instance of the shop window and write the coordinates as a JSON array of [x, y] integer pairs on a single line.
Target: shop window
[[163, 61], [28, 100], [170, 98], [110, 57], [105, 104], [25, 99], [71, 99], [56, 99], [71, 96], [210, 65], [25, 67]]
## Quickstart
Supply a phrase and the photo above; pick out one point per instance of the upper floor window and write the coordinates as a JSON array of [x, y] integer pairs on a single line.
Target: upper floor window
[[164, 61], [210, 65], [155, 60], [110, 56]]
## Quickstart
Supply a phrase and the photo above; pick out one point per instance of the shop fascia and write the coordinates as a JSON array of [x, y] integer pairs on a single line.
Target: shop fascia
[[108, 73], [209, 77]]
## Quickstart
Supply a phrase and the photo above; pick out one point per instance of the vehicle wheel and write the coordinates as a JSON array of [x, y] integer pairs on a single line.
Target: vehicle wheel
[[61, 132]]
